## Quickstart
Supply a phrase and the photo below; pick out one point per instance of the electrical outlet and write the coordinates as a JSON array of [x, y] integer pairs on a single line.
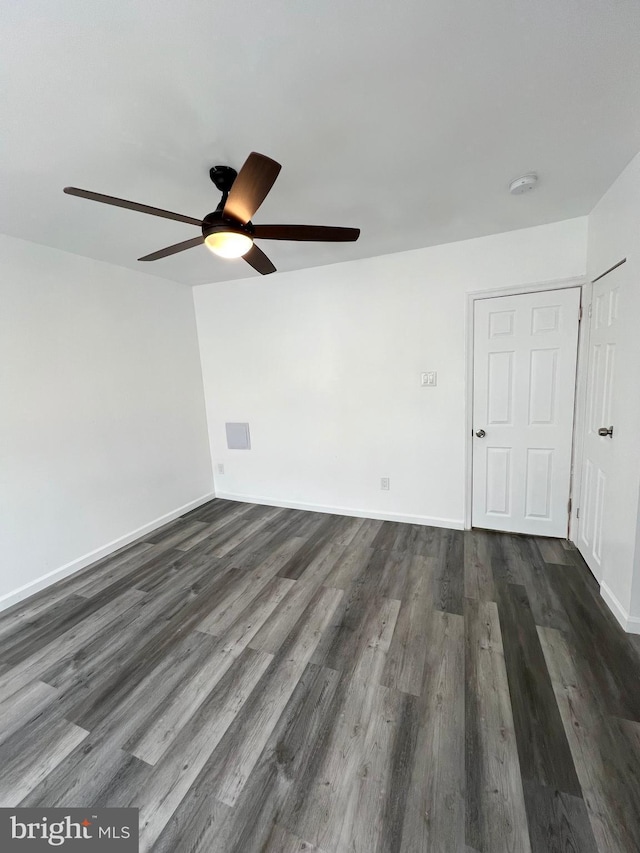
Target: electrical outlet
[[384, 484], [220, 468]]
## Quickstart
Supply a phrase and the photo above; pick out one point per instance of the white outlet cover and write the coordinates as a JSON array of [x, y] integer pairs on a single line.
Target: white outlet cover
[[429, 378]]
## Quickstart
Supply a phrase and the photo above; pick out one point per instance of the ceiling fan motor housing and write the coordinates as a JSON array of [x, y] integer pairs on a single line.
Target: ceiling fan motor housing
[[215, 221]]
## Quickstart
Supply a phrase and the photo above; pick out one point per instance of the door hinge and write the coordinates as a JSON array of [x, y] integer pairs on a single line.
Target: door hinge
[[578, 513], [569, 506], [580, 314], [590, 308]]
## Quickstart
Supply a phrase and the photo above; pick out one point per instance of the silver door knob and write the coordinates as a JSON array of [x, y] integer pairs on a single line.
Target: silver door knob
[[605, 431], [481, 433]]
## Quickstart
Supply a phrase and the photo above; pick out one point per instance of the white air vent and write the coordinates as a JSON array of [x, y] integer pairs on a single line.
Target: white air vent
[[238, 436]]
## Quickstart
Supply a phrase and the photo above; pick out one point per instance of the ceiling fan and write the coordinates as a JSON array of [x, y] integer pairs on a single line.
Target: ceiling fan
[[228, 230]]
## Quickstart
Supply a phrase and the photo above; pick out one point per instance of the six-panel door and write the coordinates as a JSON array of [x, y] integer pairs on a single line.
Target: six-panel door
[[598, 450], [525, 350]]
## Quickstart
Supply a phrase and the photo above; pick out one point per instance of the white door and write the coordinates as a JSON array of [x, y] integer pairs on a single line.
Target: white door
[[598, 449], [524, 374]]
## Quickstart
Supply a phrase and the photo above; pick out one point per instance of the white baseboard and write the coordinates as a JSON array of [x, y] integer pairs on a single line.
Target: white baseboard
[[451, 523], [80, 563], [631, 624]]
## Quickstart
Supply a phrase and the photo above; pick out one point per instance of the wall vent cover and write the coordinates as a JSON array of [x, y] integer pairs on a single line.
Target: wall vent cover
[[238, 437]]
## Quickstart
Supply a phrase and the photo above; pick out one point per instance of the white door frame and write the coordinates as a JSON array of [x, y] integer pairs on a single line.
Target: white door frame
[[581, 377]]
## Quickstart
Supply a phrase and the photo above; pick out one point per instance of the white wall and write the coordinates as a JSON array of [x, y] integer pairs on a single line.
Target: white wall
[[102, 422], [325, 365], [614, 233]]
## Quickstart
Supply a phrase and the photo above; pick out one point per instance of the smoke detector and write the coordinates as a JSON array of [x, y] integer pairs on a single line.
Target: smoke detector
[[523, 184]]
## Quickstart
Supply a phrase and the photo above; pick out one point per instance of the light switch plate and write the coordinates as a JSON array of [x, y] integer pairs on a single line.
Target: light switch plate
[[429, 378]]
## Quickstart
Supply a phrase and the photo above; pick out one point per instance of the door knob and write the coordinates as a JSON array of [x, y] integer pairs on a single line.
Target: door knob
[[481, 433], [606, 431]]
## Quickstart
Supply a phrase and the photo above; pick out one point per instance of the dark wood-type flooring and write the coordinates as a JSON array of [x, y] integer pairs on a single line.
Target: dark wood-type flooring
[[263, 680]]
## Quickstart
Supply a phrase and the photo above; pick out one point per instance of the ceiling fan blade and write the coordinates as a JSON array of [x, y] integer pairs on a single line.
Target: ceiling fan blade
[[306, 232], [131, 205], [259, 261], [172, 250], [250, 188]]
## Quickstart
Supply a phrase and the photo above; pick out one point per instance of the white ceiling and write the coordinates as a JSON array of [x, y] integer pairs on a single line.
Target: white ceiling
[[406, 118]]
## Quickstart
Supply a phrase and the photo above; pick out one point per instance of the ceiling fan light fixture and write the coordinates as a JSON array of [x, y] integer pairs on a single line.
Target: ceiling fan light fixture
[[228, 230], [228, 244]]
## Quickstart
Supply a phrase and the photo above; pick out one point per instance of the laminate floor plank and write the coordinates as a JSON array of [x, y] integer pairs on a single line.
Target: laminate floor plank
[[545, 600], [478, 575], [213, 509], [606, 759], [283, 841], [277, 628], [558, 822], [155, 737], [417, 539], [262, 680], [181, 765], [243, 528], [394, 574], [120, 570], [277, 533], [178, 532], [88, 772], [612, 658], [156, 686], [355, 558], [239, 632], [74, 641], [404, 666], [241, 748], [634, 639], [32, 753], [496, 816], [434, 818], [543, 749], [318, 805], [508, 558], [359, 637], [141, 660], [150, 570], [229, 606], [210, 528], [34, 637], [175, 569], [449, 571], [96, 772], [333, 554], [203, 823], [110, 647], [39, 603], [553, 552], [232, 527], [377, 798], [334, 530], [386, 537], [23, 705]]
